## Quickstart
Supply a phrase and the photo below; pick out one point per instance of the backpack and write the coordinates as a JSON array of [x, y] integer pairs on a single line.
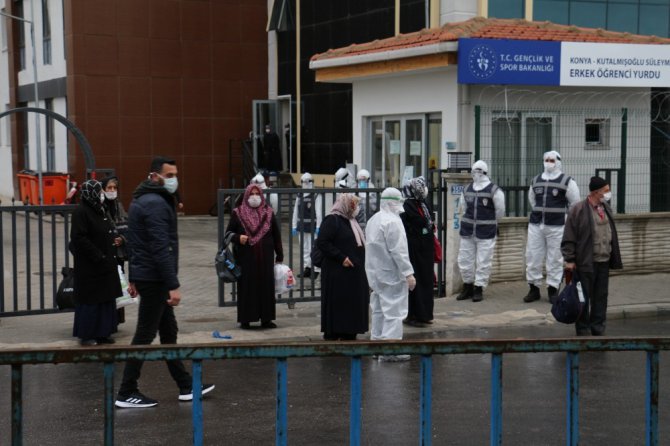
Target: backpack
[[569, 304]]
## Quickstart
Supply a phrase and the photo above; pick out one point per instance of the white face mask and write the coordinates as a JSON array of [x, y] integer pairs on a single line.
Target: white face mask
[[307, 185], [254, 201], [111, 195], [357, 209], [549, 167], [607, 196], [170, 184], [478, 177]]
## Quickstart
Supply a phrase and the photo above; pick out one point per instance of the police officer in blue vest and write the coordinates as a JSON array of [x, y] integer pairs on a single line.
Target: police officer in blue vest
[[484, 204], [307, 214], [551, 194]]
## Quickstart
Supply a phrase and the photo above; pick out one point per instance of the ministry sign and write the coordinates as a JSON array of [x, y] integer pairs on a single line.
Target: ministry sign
[[528, 62]]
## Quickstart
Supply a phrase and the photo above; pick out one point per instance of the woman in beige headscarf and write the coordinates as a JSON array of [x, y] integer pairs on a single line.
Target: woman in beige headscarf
[[345, 294]]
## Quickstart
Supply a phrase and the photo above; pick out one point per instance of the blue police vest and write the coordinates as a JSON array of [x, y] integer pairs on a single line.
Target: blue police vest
[[306, 213], [480, 213], [551, 202]]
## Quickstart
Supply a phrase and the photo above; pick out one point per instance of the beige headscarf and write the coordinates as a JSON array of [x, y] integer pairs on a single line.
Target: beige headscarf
[[343, 207]]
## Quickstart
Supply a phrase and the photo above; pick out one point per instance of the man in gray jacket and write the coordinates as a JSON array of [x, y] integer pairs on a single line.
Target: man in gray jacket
[[591, 247]]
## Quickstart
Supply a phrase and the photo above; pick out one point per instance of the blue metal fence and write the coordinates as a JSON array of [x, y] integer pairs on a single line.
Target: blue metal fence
[[355, 350]]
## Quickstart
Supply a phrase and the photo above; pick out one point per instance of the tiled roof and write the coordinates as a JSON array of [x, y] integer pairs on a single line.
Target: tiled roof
[[483, 28]]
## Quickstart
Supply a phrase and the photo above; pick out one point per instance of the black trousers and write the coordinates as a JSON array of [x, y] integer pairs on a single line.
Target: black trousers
[[154, 316], [596, 289]]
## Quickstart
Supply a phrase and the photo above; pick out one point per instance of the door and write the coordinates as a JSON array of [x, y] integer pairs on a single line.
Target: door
[[396, 149], [265, 113]]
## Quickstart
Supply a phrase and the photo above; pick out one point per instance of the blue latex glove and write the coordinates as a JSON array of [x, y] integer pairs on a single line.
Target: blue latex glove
[[216, 334], [294, 231], [317, 232]]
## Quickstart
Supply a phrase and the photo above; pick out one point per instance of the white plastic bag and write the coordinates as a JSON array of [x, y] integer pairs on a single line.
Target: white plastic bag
[[125, 299], [284, 279]]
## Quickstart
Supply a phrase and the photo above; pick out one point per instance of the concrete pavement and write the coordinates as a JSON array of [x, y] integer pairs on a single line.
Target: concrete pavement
[[199, 314]]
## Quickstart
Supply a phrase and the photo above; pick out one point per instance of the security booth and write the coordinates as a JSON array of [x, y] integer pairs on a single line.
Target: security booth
[[507, 91]]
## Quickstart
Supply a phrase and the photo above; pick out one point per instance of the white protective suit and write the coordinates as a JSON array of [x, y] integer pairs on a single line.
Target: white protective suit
[[388, 268], [474, 254], [273, 200], [544, 241], [308, 238]]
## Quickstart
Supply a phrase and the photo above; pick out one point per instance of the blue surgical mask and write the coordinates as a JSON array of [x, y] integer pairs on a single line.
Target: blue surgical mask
[[362, 184]]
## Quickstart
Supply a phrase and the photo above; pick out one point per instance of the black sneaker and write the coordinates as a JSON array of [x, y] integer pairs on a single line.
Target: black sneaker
[[135, 400], [187, 394]]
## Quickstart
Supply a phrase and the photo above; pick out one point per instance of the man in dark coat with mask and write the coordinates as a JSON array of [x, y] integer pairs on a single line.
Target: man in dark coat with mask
[[153, 248], [591, 247]]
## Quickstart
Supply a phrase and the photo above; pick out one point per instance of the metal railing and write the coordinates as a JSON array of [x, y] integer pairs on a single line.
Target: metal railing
[[17, 359], [34, 248]]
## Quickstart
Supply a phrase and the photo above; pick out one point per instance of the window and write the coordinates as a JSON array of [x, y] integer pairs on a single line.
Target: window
[[21, 44], [51, 140], [46, 33], [596, 133], [3, 31]]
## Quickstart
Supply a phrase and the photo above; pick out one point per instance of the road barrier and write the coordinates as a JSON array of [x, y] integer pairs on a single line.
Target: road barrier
[[108, 355]]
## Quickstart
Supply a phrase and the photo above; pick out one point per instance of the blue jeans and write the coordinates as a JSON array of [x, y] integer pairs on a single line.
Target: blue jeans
[[154, 316]]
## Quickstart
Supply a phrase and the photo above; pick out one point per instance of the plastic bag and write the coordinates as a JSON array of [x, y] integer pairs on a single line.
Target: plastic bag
[[125, 299], [65, 293], [284, 280]]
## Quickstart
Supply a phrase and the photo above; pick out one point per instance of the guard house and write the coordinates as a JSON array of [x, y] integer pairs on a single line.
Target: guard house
[[507, 91]]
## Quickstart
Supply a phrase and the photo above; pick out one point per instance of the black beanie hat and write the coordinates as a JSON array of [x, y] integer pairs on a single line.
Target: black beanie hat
[[597, 183]]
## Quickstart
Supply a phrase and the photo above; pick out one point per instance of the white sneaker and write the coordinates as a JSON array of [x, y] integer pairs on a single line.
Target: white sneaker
[[187, 394], [394, 358]]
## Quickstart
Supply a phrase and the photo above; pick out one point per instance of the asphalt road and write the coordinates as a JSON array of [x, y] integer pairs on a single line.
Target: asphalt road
[[63, 403]]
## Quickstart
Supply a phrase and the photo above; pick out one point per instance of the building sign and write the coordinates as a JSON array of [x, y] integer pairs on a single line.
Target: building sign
[[529, 62]]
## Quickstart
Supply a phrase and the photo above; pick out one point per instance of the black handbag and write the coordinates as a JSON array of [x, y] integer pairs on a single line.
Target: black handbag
[[65, 293], [316, 255], [226, 267], [569, 304]]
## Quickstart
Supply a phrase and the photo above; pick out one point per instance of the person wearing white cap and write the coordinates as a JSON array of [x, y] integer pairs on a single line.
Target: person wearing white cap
[[343, 178], [307, 214], [368, 203], [259, 179], [388, 269], [551, 194], [484, 204]]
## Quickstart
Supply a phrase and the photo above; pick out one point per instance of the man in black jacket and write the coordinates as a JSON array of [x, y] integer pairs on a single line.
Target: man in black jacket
[[591, 246], [153, 248]]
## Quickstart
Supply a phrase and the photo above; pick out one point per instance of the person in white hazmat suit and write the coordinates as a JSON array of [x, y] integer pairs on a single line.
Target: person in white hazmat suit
[[307, 215], [273, 200], [368, 203], [484, 205], [389, 271], [551, 194]]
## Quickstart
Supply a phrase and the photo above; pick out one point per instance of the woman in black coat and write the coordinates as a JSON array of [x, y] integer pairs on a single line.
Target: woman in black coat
[[345, 295], [96, 278], [420, 229]]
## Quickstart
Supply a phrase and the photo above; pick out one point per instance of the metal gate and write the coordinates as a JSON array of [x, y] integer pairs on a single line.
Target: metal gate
[[34, 249]]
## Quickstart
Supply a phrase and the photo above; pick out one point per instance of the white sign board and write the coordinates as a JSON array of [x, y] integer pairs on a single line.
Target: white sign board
[[615, 65]]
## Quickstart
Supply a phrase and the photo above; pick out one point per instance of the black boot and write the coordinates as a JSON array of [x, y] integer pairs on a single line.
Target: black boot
[[477, 296], [553, 293], [468, 291], [306, 273], [533, 294]]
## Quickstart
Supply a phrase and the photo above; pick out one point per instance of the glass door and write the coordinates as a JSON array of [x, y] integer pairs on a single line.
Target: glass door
[[396, 149], [265, 112]]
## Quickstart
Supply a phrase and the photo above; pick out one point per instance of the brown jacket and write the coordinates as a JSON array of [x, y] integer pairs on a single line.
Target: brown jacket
[[577, 243]]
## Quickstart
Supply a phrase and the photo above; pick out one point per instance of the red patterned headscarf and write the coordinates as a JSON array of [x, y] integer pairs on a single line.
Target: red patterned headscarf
[[256, 221]]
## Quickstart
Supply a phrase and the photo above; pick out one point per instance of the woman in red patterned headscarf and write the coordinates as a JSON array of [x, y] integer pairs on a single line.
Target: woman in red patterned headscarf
[[258, 247]]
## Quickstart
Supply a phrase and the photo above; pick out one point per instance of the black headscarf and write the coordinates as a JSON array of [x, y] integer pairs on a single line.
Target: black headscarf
[[91, 191]]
